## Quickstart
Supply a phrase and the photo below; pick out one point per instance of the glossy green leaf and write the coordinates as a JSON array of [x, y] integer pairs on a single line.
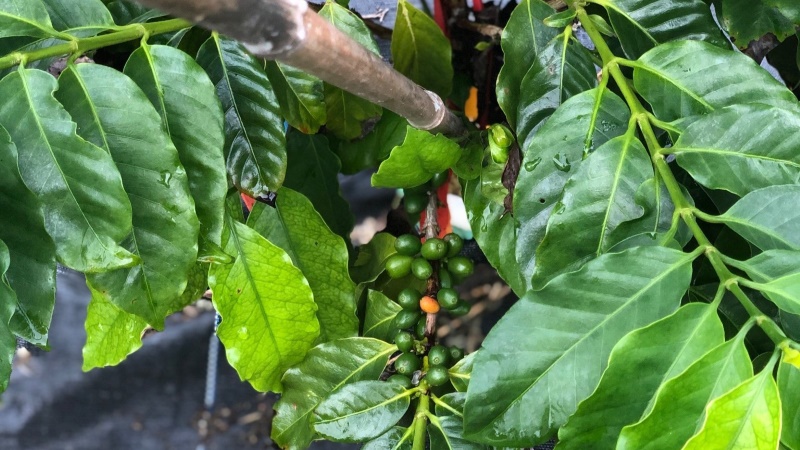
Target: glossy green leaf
[[742, 148], [86, 210], [421, 155], [67, 14], [165, 227], [392, 440], [127, 12], [294, 226], [8, 302], [24, 18], [748, 20], [767, 217], [779, 272], [346, 111], [421, 51], [360, 411], [451, 404], [255, 146], [325, 370], [524, 37], [554, 364], [597, 199], [639, 364], [789, 388], [378, 319], [749, 416], [314, 172], [789, 8], [642, 24], [791, 325], [267, 308], [375, 147], [495, 231], [461, 372], [687, 78], [583, 123], [447, 433], [111, 333], [680, 402], [300, 95], [562, 69], [181, 92], [369, 263], [32, 269]]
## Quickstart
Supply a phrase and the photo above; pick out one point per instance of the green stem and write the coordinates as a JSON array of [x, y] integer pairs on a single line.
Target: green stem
[[421, 421], [122, 34]]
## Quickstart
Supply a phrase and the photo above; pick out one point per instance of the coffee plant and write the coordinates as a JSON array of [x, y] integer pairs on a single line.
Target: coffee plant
[[638, 189]]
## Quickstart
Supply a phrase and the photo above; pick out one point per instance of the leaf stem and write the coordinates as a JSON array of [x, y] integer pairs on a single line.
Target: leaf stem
[[421, 420], [120, 35]]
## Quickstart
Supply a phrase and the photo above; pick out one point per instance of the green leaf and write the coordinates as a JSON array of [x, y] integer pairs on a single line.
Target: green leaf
[[560, 20], [267, 308], [421, 51], [294, 226], [461, 372], [300, 95], [421, 155], [32, 269], [375, 147], [468, 166], [523, 38], [346, 111], [255, 146], [314, 172], [688, 78], [24, 18], [742, 148], [588, 311], [583, 123], [680, 402], [8, 302], [372, 256], [378, 319], [325, 370], [165, 227], [86, 210], [562, 69], [639, 364], [767, 217], [127, 12], [642, 24], [392, 439], [451, 404], [748, 20], [447, 433], [789, 388], [181, 92], [789, 8], [67, 14], [779, 272], [360, 411], [748, 417], [111, 333], [597, 199]]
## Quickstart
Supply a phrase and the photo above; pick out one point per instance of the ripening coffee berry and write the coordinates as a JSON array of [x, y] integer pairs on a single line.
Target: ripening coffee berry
[[429, 305], [421, 268], [408, 245], [398, 266], [434, 249]]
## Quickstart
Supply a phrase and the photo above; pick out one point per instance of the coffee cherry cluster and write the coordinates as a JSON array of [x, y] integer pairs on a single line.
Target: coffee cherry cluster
[[416, 198], [438, 262]]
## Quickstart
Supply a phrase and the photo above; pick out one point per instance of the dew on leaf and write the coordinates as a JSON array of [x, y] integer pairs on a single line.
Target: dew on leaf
[[531, 165]]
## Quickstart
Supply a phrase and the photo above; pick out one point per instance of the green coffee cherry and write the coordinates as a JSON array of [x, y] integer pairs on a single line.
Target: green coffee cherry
[[402, 380], [407, 245], [445, 279], [421, 268], [398, 266], [405, 319], [448, 298], [415, 203], [456, 354], [461, 309], [500, 135], [439, 178], [408, 299], [419, 328], [406, 364], [437, 376], [454, 244], [434, 249], [459, 266], [404, 341], [438, 355]]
